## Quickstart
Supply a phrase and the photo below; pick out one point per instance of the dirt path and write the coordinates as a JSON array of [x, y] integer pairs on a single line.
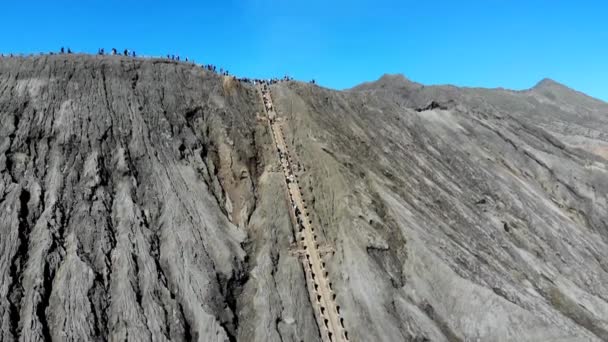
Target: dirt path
[[322, 296]]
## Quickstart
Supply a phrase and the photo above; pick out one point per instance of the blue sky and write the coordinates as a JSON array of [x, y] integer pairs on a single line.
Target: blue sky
[[491, 43]]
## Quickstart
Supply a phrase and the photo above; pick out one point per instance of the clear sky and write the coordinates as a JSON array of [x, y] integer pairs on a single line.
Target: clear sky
[[487, 43]]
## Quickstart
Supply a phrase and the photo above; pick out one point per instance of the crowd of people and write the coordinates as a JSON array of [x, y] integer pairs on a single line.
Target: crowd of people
[[267, 102], [176, 58], [114, 52], [265, 81], [208, 67]]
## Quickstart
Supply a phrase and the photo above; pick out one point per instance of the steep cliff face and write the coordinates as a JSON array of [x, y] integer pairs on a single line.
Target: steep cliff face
[[139, 200], [133, 205]]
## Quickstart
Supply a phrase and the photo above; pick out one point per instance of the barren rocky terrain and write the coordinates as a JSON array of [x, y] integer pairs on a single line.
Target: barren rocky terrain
[[140, 200]]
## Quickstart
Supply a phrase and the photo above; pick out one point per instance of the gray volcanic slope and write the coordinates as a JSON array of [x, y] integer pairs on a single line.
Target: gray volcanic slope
[[139, 200]]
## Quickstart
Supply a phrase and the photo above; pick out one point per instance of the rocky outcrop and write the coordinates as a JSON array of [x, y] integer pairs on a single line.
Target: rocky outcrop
[[142, 200]]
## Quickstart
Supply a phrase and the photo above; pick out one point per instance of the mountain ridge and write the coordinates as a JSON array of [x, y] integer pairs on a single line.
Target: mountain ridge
[[399, 80], [145, 199]]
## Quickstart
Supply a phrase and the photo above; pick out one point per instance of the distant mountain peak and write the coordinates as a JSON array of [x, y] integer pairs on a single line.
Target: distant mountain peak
[[547, 83], [388, 81], [394, 77], [553, 89]]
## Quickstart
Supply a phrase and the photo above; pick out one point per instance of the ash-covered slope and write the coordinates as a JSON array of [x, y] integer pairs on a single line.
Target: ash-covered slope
[[460, 214], [140, 200], [134, 205]]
